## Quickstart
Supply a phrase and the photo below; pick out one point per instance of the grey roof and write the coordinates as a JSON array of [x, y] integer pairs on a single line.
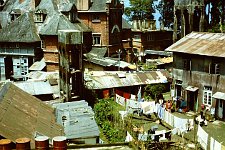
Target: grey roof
[[160, 53], [25, 6], [60, 22], [4, 19], [23, 115], [125, 24], [65, 7], [35, 87], [97, 52], [96, 56], [38, 65], [21, 30], [41, 75], [80, 122], [201, 43], [219, 95], [56, 22], [98, 5], [49, 5], [105, 80]]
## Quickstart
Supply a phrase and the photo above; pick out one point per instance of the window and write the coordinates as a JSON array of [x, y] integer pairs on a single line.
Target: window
[[14, 16], [214, 68], [39, 17], [137, 36], [207, 95], [97, 39], [42, 44], [150, 38], [187, 64], [96, 18]]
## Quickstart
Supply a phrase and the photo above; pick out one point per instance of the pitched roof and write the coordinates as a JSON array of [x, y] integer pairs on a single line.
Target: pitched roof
[[97, 52], [111, 79], [49, 5], [21, 30], [23, 115], [201, 43], [56, 22], [125, 24], [4, 19], [65, 7], [60, 22], [98, 5]]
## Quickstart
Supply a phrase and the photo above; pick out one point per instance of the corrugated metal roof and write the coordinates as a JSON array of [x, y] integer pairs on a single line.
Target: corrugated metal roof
[[160, 53], [201, 43], [105, 80], [77, 118], [38, 65], [35, 87], [41, 75], [23, 115], [219, 95], [21, 30], [97, 52]]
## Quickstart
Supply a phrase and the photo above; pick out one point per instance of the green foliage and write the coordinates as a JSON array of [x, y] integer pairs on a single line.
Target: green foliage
[[165, 8], [140, 10], [154, 90], [105, 115]]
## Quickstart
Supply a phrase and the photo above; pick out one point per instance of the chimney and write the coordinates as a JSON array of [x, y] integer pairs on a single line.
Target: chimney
[[59, 143], [42, 143], [5, 144], [23, 144]]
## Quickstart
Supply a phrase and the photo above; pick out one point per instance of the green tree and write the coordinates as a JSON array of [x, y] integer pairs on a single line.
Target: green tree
[[140, 10], [165, 8], [105, 115], [154, 90]]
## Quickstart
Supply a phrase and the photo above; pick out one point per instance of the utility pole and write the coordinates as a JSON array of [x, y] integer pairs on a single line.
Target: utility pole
[[119, 53]]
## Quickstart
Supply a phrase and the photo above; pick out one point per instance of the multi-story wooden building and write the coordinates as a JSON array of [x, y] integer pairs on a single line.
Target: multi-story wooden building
[[199, 72], [105, 19], [19, 48], [48, 18]]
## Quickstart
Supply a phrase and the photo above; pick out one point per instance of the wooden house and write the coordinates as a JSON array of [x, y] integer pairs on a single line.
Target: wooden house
[[198, 70]]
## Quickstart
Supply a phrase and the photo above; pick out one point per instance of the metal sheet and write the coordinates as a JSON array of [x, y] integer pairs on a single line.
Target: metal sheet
[[32, 115], [191, 88], [201, 43], [219, 95], [111, 79]]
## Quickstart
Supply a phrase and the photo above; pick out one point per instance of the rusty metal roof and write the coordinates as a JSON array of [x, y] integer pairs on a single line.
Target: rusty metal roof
[[23, 115], [201, 43], [111, 79]]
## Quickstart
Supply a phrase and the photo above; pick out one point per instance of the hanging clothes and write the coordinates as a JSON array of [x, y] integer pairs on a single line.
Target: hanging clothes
[[215, 145], [202, 137]]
